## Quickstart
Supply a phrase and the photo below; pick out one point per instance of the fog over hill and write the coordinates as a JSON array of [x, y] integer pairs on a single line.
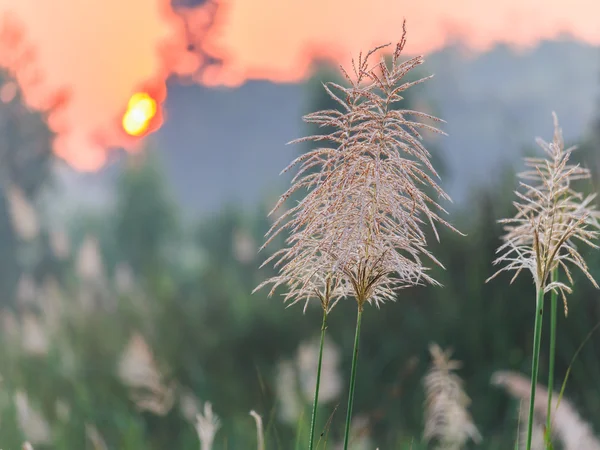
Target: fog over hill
[[222, 145]]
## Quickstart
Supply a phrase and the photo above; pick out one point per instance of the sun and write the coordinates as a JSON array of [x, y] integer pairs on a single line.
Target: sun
[[140, 111]]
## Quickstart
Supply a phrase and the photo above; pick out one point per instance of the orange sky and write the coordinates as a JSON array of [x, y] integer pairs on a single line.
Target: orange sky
[[103, 51]]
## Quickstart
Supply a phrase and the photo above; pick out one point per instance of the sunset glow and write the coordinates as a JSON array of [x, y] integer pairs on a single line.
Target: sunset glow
[[81, 60]]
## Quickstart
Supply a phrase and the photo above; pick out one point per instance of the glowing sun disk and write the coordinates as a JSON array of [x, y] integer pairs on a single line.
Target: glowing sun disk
[[140, 111]]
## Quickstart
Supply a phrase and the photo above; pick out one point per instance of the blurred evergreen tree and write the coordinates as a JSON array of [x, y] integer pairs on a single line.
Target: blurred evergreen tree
[[145, 217]]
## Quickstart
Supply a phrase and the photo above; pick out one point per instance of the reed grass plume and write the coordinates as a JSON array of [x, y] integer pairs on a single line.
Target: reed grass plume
[[567, 425], [447, 419], [139, 371], [289, 399], [23, 215], [31, 421], [331, 380], [26, 294], [207, 426], [34, 336], [189, 404], [89, 264], [538, 435], [296, 379], [95, 438], [552, 217], [60, 243], [360, 434], [260, 434], [368, 182]]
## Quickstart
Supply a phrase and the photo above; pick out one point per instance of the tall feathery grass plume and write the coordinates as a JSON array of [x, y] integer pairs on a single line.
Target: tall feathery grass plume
[[552, 219], [368, 186], [568, 426], [447, 419]]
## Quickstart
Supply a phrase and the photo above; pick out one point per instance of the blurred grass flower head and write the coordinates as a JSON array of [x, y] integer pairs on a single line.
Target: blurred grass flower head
[[139, 371], [551, 218], [207, 426], [34, 335], [360, 223], [23, 215], [360, 434], [288, 392], [331, 382], [568, 426], [94, 437], [447, 419], [31, 421]]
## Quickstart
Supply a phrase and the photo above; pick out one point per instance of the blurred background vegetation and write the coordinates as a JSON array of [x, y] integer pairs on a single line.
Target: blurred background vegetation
[[119, 322]]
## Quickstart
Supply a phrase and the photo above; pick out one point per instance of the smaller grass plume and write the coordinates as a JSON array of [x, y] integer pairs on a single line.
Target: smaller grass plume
[[447, 419], [552, 219]]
